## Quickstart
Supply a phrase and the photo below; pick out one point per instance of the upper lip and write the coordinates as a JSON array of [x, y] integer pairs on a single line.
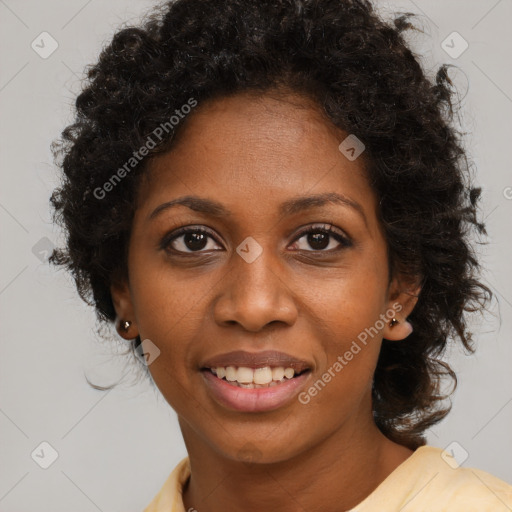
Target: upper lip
[[271, 358]]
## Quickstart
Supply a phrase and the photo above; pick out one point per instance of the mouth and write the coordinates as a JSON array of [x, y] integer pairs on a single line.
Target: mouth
[[255, 381]]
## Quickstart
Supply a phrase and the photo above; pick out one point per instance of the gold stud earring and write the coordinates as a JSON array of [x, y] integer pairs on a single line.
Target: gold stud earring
[[125, 325]]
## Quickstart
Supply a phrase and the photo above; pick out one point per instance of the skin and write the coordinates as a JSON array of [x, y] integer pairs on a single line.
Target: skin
[[251, 153]]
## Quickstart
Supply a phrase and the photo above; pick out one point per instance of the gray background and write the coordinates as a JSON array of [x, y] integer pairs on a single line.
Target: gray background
[[116, 448]]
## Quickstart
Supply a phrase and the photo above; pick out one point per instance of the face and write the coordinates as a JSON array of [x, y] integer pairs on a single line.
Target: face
[[262, 269]]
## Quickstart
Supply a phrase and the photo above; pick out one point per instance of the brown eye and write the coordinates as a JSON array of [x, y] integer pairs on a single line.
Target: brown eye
[[319, 238], [188, 240]]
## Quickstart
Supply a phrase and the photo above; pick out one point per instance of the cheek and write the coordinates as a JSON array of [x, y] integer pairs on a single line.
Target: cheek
[[166, 311], [350, 326], [162, 296], [350, 301], [350, 329]]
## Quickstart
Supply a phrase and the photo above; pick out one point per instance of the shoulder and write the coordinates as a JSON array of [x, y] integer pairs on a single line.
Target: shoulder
[[170, 496], [431, 480], [465, 487]]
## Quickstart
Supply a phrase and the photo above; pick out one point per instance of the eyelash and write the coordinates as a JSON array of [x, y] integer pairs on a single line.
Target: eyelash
[[168, 239]]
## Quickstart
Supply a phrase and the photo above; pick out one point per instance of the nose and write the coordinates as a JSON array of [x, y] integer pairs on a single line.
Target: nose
[[255, 294]]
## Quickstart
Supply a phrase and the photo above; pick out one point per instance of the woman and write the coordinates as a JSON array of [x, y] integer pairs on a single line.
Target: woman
[[268, 200]]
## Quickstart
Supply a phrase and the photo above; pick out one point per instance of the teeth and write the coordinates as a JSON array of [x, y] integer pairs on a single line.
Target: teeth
[[271, 384], [245, 375], [277, 373], [254, 378], [289, 373], [230, 373], [263, 375]]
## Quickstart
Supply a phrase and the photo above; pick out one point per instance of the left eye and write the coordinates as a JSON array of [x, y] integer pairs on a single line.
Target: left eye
[[318, 238]]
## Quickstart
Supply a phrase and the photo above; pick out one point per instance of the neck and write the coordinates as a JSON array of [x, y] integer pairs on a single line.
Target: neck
[[336, 474]]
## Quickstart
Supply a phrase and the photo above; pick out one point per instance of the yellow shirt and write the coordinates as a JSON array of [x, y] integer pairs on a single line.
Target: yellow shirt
[[425, 482]]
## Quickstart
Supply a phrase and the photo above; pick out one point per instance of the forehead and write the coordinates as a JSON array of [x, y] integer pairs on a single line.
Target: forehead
[[254, 151]]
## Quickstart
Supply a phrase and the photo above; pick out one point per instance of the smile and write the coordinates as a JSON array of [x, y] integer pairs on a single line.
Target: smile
[[254, 389]]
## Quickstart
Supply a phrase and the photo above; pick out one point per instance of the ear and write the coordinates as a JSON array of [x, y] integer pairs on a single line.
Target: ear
[[122, 300], [402, 297]]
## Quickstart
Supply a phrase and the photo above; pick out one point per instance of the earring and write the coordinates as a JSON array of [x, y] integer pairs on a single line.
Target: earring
[[393, 322], [125, 325]]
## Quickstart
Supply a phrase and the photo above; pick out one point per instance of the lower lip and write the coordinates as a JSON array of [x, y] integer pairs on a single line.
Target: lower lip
[[257, 399]]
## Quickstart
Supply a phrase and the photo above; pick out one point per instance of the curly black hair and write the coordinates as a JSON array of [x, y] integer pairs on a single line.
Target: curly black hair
[[360, 71]]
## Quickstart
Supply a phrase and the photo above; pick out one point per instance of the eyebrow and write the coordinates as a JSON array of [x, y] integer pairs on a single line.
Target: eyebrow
[[289, 207]]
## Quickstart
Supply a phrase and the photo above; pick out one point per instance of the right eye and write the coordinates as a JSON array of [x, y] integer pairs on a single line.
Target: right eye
[[190, 239]]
